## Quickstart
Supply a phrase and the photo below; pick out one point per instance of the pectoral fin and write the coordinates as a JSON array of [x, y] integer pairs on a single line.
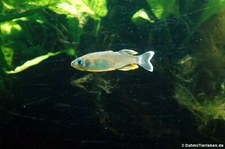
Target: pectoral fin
[[129, 67], [127, 51]]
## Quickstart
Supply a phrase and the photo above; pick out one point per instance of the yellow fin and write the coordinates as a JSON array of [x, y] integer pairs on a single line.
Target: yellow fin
[[129, 67], [127, 51]]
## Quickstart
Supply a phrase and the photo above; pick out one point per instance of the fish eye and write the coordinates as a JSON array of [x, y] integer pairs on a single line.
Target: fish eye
[[79, 62]]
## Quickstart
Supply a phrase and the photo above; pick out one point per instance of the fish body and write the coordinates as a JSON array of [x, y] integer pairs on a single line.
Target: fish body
[[123, 60]]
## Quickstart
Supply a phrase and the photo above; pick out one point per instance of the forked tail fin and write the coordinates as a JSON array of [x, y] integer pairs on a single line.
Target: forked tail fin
[[144, 60]]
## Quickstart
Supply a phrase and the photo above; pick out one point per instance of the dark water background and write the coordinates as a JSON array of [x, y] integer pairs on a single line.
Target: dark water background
[[39, 108]]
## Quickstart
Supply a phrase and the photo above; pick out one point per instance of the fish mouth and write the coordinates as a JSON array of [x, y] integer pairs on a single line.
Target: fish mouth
[[73, 64]]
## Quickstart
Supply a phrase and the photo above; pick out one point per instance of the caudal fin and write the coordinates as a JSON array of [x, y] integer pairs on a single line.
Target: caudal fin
[[144, 60]]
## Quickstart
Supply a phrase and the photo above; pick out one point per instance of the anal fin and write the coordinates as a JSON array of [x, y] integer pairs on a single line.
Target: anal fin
[[129, 67]]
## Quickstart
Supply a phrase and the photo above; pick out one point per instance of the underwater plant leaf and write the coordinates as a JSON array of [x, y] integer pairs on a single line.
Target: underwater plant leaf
[[13, 9], [163, 8], [70, 52], [7, 28], [26, 4], [141, 17], [65, 8], [212, 7], [99, 7], [23, 14], [93, 8], [32, 62], [82, 9], [7, 54], [7, 6]]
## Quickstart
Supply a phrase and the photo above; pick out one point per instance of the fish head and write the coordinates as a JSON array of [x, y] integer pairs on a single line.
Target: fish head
[[81, 63]]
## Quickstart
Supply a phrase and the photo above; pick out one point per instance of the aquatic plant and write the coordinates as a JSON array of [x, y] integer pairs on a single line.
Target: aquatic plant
[[60, 21], [94, 84], [97, 85], [32, 62], [199, 76], [206, 110], [159, 9]]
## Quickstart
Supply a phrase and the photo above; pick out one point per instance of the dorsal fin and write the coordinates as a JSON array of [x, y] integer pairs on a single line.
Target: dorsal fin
[[129, 67], [127, 51]]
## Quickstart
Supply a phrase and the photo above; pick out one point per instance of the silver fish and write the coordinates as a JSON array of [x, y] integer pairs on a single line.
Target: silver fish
[[123, 60]]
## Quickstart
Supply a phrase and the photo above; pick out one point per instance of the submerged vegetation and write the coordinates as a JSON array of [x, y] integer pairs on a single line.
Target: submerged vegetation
[[202, 75], [27, 25], [94, 84], [206, 110]]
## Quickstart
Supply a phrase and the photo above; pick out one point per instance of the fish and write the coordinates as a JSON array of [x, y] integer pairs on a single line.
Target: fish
[[123, 60]]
